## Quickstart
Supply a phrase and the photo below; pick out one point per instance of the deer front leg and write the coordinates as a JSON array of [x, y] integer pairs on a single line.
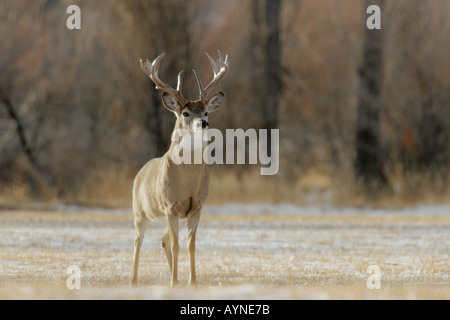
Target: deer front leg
[[172, 224], [192, 223], [140, 228]]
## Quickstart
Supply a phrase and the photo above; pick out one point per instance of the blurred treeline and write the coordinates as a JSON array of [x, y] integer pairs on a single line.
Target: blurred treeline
[[78, 117]]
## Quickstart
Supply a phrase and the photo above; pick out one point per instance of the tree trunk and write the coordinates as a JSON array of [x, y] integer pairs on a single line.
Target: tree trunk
[[169, 24], [369, 157], [266, 62], [35, 170], [273, 62]]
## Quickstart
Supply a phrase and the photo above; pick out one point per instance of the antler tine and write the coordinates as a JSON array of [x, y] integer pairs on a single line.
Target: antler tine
[[180, 81], [200, 86], [213, 63], [145, 67], [220, 69], [221, 57], [152, 69]]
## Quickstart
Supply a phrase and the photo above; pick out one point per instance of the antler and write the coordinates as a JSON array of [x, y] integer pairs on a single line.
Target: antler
[[152, 68], [220, 68]]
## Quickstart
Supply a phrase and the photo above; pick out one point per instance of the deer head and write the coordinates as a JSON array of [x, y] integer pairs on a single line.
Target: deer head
[[191, 115]]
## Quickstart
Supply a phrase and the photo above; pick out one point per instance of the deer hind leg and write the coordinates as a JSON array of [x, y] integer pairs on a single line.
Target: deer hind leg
[[172, 224], [192, 223], [140, 228], [166, 244]]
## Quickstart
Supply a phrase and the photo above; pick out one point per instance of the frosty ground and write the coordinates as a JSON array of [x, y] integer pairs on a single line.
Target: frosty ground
[[260, 251]]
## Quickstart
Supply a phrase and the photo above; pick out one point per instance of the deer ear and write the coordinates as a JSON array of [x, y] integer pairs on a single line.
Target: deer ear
[[170, 103], [214, 103]]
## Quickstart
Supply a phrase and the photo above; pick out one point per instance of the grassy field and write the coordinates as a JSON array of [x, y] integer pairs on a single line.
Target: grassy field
[[243, 252]]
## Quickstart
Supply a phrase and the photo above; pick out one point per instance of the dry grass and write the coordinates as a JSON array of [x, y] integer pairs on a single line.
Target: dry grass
[[313, 255], [250, 186], [111, 187]]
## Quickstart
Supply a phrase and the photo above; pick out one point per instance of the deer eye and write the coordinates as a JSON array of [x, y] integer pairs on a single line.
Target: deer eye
[[186, 114], [206, 114]]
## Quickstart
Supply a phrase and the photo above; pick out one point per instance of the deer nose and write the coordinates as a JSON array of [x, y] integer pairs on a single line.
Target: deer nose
[[205, 124]]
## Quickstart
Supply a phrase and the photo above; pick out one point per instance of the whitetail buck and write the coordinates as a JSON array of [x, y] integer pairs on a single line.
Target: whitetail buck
[[176, 191]]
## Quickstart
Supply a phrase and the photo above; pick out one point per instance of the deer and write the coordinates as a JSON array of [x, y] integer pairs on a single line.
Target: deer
[[164, 189]]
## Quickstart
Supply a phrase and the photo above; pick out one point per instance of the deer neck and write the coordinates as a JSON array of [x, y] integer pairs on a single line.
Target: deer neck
[[176, 146]]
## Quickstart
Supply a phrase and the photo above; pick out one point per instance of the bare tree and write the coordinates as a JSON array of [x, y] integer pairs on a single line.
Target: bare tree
[[266, 59], [165, 25], [425, 148], [369, 156], [18, 74]]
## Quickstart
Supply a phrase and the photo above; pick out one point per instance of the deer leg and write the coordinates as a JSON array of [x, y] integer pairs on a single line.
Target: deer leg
[[172, 223], [140, 228], [166, 244], [192, 223]]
